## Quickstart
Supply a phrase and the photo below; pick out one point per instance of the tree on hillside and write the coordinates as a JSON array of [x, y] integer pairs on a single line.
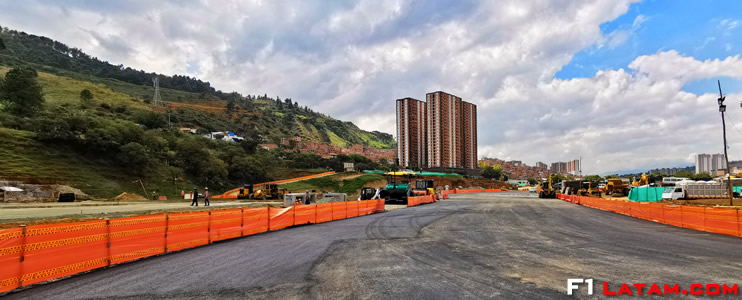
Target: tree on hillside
[[230, 106], [492, 173], [2, 45], [21, 91], [86, 98]]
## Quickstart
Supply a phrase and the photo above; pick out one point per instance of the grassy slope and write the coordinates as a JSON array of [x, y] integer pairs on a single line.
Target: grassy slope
[[25, 159]]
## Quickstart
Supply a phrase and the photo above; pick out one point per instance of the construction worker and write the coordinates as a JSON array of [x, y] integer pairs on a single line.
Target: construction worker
[[206, 196], [195, 196]]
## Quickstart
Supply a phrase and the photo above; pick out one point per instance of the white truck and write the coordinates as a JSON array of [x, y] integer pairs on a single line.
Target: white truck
[[689, 189]]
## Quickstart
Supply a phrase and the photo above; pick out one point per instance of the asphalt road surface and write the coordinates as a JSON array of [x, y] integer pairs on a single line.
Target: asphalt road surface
[[505, 245]]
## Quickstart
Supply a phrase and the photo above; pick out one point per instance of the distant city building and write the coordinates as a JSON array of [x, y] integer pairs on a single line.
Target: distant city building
[[541, 166], [710, 163], [438, 133], [573, 167]]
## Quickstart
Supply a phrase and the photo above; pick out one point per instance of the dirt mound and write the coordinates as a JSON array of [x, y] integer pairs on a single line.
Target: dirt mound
[[129, 197]]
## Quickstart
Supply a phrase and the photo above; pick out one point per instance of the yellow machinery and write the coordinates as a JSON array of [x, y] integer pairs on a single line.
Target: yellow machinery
[[268, 191], [616, 188], [546, 190], [425, 186], [643, 180], [587, 190]]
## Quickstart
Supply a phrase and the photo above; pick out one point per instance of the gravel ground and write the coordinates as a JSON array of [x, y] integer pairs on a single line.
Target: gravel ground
[[504, 245]]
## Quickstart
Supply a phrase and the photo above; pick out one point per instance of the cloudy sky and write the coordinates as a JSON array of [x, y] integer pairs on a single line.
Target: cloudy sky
[[626, 85]]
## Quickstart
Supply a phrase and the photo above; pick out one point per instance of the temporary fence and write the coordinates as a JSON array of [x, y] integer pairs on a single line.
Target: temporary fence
[[415, 201], [231, 193], [40, 253], [710, 219]]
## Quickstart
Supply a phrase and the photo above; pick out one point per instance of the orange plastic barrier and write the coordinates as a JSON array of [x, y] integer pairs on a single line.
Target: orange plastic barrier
[[716, 220], [46, 252], [136, 237], [721, 220], [693, 217], [59, 250], [226, 224], [324, 212], [11, 249], [656, 212], [352, 209], [187, 230], [380, 205], [366, 207], [640, 210], [339, 211], [255, 220], [673, 215], [305, 214], [281, 218], [412, 201]]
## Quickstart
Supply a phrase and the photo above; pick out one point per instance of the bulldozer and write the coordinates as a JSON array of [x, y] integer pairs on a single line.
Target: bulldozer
[[424, 186], [616, 187], [245, 192], [546, 190], [268, 191]]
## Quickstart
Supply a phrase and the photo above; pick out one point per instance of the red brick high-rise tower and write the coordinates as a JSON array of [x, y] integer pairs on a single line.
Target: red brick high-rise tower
[[444, 124], [411, 137]]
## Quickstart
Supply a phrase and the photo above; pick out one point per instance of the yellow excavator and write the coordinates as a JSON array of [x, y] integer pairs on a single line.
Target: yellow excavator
[[266, 191], [643, 180]]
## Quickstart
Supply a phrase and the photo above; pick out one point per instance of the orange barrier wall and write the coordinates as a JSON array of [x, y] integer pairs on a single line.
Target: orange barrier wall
[[710, 219], [11, 249], [39, 253], [255, 220], [136, 237], [225, 224], [415, 201], [305, 214], [339, 210], [324, 212]]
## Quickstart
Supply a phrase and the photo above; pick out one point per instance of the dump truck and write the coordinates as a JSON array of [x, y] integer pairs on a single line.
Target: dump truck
[[616, 187], [696, 190]]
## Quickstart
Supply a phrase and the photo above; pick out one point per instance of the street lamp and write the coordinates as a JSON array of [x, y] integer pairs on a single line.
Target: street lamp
[[722, 109]]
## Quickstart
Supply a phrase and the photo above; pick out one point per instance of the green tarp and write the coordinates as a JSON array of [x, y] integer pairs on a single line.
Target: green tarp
[[646, 194]]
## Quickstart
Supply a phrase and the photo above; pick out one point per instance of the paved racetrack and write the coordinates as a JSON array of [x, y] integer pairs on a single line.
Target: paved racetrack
[[504, 245]]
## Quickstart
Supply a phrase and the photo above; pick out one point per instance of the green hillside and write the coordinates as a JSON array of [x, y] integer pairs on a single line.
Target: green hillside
[[119, 141]]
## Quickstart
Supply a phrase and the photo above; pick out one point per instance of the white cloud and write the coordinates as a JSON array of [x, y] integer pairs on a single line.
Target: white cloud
[[728, 24], [351, 60]]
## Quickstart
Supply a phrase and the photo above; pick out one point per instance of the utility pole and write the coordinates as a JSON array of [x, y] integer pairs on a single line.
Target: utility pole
[[722, 109]]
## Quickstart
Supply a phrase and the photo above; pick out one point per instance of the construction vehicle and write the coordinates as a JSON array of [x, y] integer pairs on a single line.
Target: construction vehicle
[[424, 187], [268, 191], [369, 193], [397, 188], [245, 192], [588, 188], [643, 180], [616, 187], [546, 189]]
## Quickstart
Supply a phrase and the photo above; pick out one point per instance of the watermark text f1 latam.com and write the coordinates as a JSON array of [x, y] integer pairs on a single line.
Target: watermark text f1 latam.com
[[641, 289]]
